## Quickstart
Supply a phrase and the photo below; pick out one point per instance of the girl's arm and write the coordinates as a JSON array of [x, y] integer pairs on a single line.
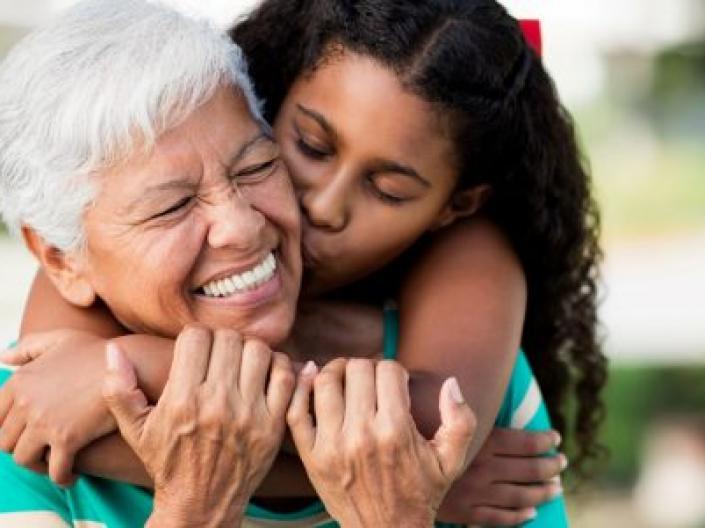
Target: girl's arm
[[461, 314]]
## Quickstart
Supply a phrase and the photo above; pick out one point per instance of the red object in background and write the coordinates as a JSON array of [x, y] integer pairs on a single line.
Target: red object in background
[[532, 33]]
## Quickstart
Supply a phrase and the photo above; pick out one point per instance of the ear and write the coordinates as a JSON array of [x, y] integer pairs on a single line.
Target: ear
[[462, 204], [62, 269]]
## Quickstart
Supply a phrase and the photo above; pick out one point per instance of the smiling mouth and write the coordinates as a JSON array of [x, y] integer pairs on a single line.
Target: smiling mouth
[[240, 283]]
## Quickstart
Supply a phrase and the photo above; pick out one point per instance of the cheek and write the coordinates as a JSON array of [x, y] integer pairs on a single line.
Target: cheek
[[276, 200], [153, 263]]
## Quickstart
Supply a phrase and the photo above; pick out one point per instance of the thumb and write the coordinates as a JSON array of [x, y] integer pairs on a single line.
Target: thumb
[[24, 351], [126, 401], [452, 440]]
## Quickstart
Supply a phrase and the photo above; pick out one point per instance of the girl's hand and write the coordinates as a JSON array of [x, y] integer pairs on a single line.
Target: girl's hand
[[368, 462], [214, 434], [512, 474], [53, 402]]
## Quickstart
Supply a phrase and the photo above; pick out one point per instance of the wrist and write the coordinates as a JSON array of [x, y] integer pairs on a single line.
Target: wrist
[[172, 511]]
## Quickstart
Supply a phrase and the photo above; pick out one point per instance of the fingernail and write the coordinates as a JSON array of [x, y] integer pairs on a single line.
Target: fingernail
[[557, 439], [310, 369], [556, 491], [531, 514], [454, 390], [564, 461], [112, 357]]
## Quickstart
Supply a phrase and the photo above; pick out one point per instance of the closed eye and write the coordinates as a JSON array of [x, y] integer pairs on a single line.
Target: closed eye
[[257, 170], [174, 208], [309, 151]]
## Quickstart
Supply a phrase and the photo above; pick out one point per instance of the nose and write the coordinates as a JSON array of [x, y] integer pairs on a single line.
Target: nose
[[235, 223], [326, 206]]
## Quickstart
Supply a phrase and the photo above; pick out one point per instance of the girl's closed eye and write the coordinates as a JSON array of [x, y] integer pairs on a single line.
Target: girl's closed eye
[[387, 197], [310, 151]]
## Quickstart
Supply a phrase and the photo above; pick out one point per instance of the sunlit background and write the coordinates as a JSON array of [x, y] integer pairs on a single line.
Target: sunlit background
[[633, 74]]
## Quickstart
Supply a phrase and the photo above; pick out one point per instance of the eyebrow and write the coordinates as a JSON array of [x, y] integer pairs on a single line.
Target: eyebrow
[[318, 118], [248, 145], [382, 165]]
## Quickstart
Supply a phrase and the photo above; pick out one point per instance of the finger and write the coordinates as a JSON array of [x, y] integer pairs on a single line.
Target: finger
[[456, 431], [224, 366], [125, 400], [360, 401], [11, 432], [191, 356], [6, 401], [516, 442], [328, 400], [516, 496], [14, 357], [528, 469], [254, 367], [298, 416], [61, 466], [29, 451], [25, 351], [281, 385], [392, 387], [490, 516]]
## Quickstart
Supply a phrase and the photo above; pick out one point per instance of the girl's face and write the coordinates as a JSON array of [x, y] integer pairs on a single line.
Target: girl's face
[[373, 167]]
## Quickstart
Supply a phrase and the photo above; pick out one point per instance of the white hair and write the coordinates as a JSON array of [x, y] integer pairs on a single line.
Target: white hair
[[103, 80]]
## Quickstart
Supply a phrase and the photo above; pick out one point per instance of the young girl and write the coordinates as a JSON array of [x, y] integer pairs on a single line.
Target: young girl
[[399, 122]]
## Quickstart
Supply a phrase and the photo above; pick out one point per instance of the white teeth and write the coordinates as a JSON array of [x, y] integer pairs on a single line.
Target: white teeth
[[249, 278], [239, 283]]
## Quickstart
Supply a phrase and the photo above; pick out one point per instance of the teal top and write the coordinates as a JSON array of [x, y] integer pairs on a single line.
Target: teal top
[[28, 499]]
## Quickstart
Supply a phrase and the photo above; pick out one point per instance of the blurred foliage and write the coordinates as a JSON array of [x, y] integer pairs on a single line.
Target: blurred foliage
[[636, 397], [644, 139]]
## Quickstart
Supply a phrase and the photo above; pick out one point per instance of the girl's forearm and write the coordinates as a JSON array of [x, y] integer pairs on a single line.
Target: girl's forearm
[[110, 457], [47, 310]]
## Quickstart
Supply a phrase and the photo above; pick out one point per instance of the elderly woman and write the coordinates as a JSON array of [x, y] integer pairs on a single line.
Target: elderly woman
[[134, 162]]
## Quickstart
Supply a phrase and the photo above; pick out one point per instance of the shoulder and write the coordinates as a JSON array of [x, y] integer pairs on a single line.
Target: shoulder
[[470, 256]]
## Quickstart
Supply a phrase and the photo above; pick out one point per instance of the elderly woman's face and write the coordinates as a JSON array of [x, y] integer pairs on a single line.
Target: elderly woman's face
[[205, 228]]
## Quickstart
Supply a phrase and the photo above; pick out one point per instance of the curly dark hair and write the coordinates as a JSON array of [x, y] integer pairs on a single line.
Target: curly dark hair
[[469, 58]]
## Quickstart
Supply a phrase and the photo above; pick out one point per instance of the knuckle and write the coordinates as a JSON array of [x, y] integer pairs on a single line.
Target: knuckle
[[195, 333], [21, 459], [22, 403], [257, 349], [390, 437], [181, 408], [361, 443], [244, 419], [532, 443], [359, 364], [324, 379], [335, 366], [64, 438], [230, 338]]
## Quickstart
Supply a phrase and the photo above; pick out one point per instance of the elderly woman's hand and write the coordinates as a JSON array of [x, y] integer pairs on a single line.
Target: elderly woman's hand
[[215, 432], [364, 455]]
